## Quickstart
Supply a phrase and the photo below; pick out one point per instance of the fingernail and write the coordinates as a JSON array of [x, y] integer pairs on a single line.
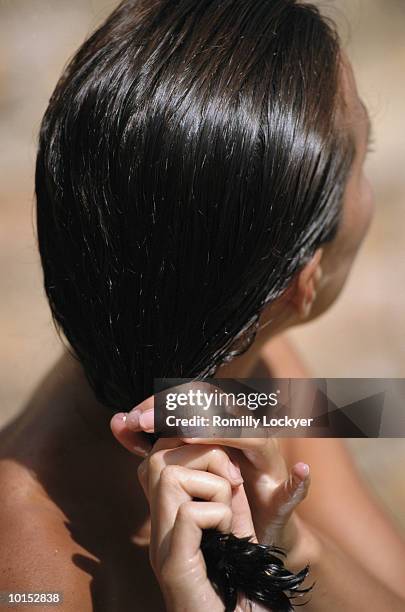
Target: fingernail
[[132, 419], [121, 415], [235, 472], [305, 468], [146, 420], [301, 470]]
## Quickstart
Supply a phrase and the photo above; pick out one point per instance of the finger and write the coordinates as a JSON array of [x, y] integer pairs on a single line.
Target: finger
[[284, 500], [177, 485], [288, 495], [136, 443], [160, 444], [209, 459], [166, 443], [195, 483], [205, 484], [259, 445], [242, 522], [214, 460], [141, 417], [262, 453], [184, 566], [192, 518], [242, 517]]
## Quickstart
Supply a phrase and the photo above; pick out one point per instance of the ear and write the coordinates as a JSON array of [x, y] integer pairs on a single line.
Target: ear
[[306, 285]]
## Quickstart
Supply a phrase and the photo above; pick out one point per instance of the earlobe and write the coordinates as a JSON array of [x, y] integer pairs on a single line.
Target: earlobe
[[306, 285]]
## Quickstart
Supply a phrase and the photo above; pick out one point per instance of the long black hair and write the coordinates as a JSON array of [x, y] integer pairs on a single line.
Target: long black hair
[[192, 158]]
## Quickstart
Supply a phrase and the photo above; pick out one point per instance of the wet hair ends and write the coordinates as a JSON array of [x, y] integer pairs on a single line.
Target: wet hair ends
[[237, 565], [190, 162]]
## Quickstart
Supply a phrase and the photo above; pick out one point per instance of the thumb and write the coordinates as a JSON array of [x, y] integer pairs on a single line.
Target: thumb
[[141, 417], [287, 496]]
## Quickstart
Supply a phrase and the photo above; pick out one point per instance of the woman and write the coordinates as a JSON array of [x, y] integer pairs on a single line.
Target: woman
[[200, 189]]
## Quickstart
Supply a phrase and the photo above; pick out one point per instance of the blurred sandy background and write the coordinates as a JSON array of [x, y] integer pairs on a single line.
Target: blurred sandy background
[[363, 335]]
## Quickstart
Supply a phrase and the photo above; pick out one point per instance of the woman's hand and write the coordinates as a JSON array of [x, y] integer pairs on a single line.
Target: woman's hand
[[273, 491], [343, 578], [171, 479]]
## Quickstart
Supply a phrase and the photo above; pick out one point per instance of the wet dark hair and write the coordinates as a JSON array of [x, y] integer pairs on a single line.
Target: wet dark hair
[[191, 160]]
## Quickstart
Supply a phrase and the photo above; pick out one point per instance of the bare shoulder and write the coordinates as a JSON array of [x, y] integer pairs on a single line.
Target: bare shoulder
[[36, 552]]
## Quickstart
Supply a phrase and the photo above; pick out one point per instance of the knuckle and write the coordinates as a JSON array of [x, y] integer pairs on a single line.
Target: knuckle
[[226, 512], [169, 475], [226, 488], [215, 449], [155, 460], [185, 511], [217, 453]]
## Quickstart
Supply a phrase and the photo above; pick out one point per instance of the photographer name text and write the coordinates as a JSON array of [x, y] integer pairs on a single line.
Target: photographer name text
[[242, 421]]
